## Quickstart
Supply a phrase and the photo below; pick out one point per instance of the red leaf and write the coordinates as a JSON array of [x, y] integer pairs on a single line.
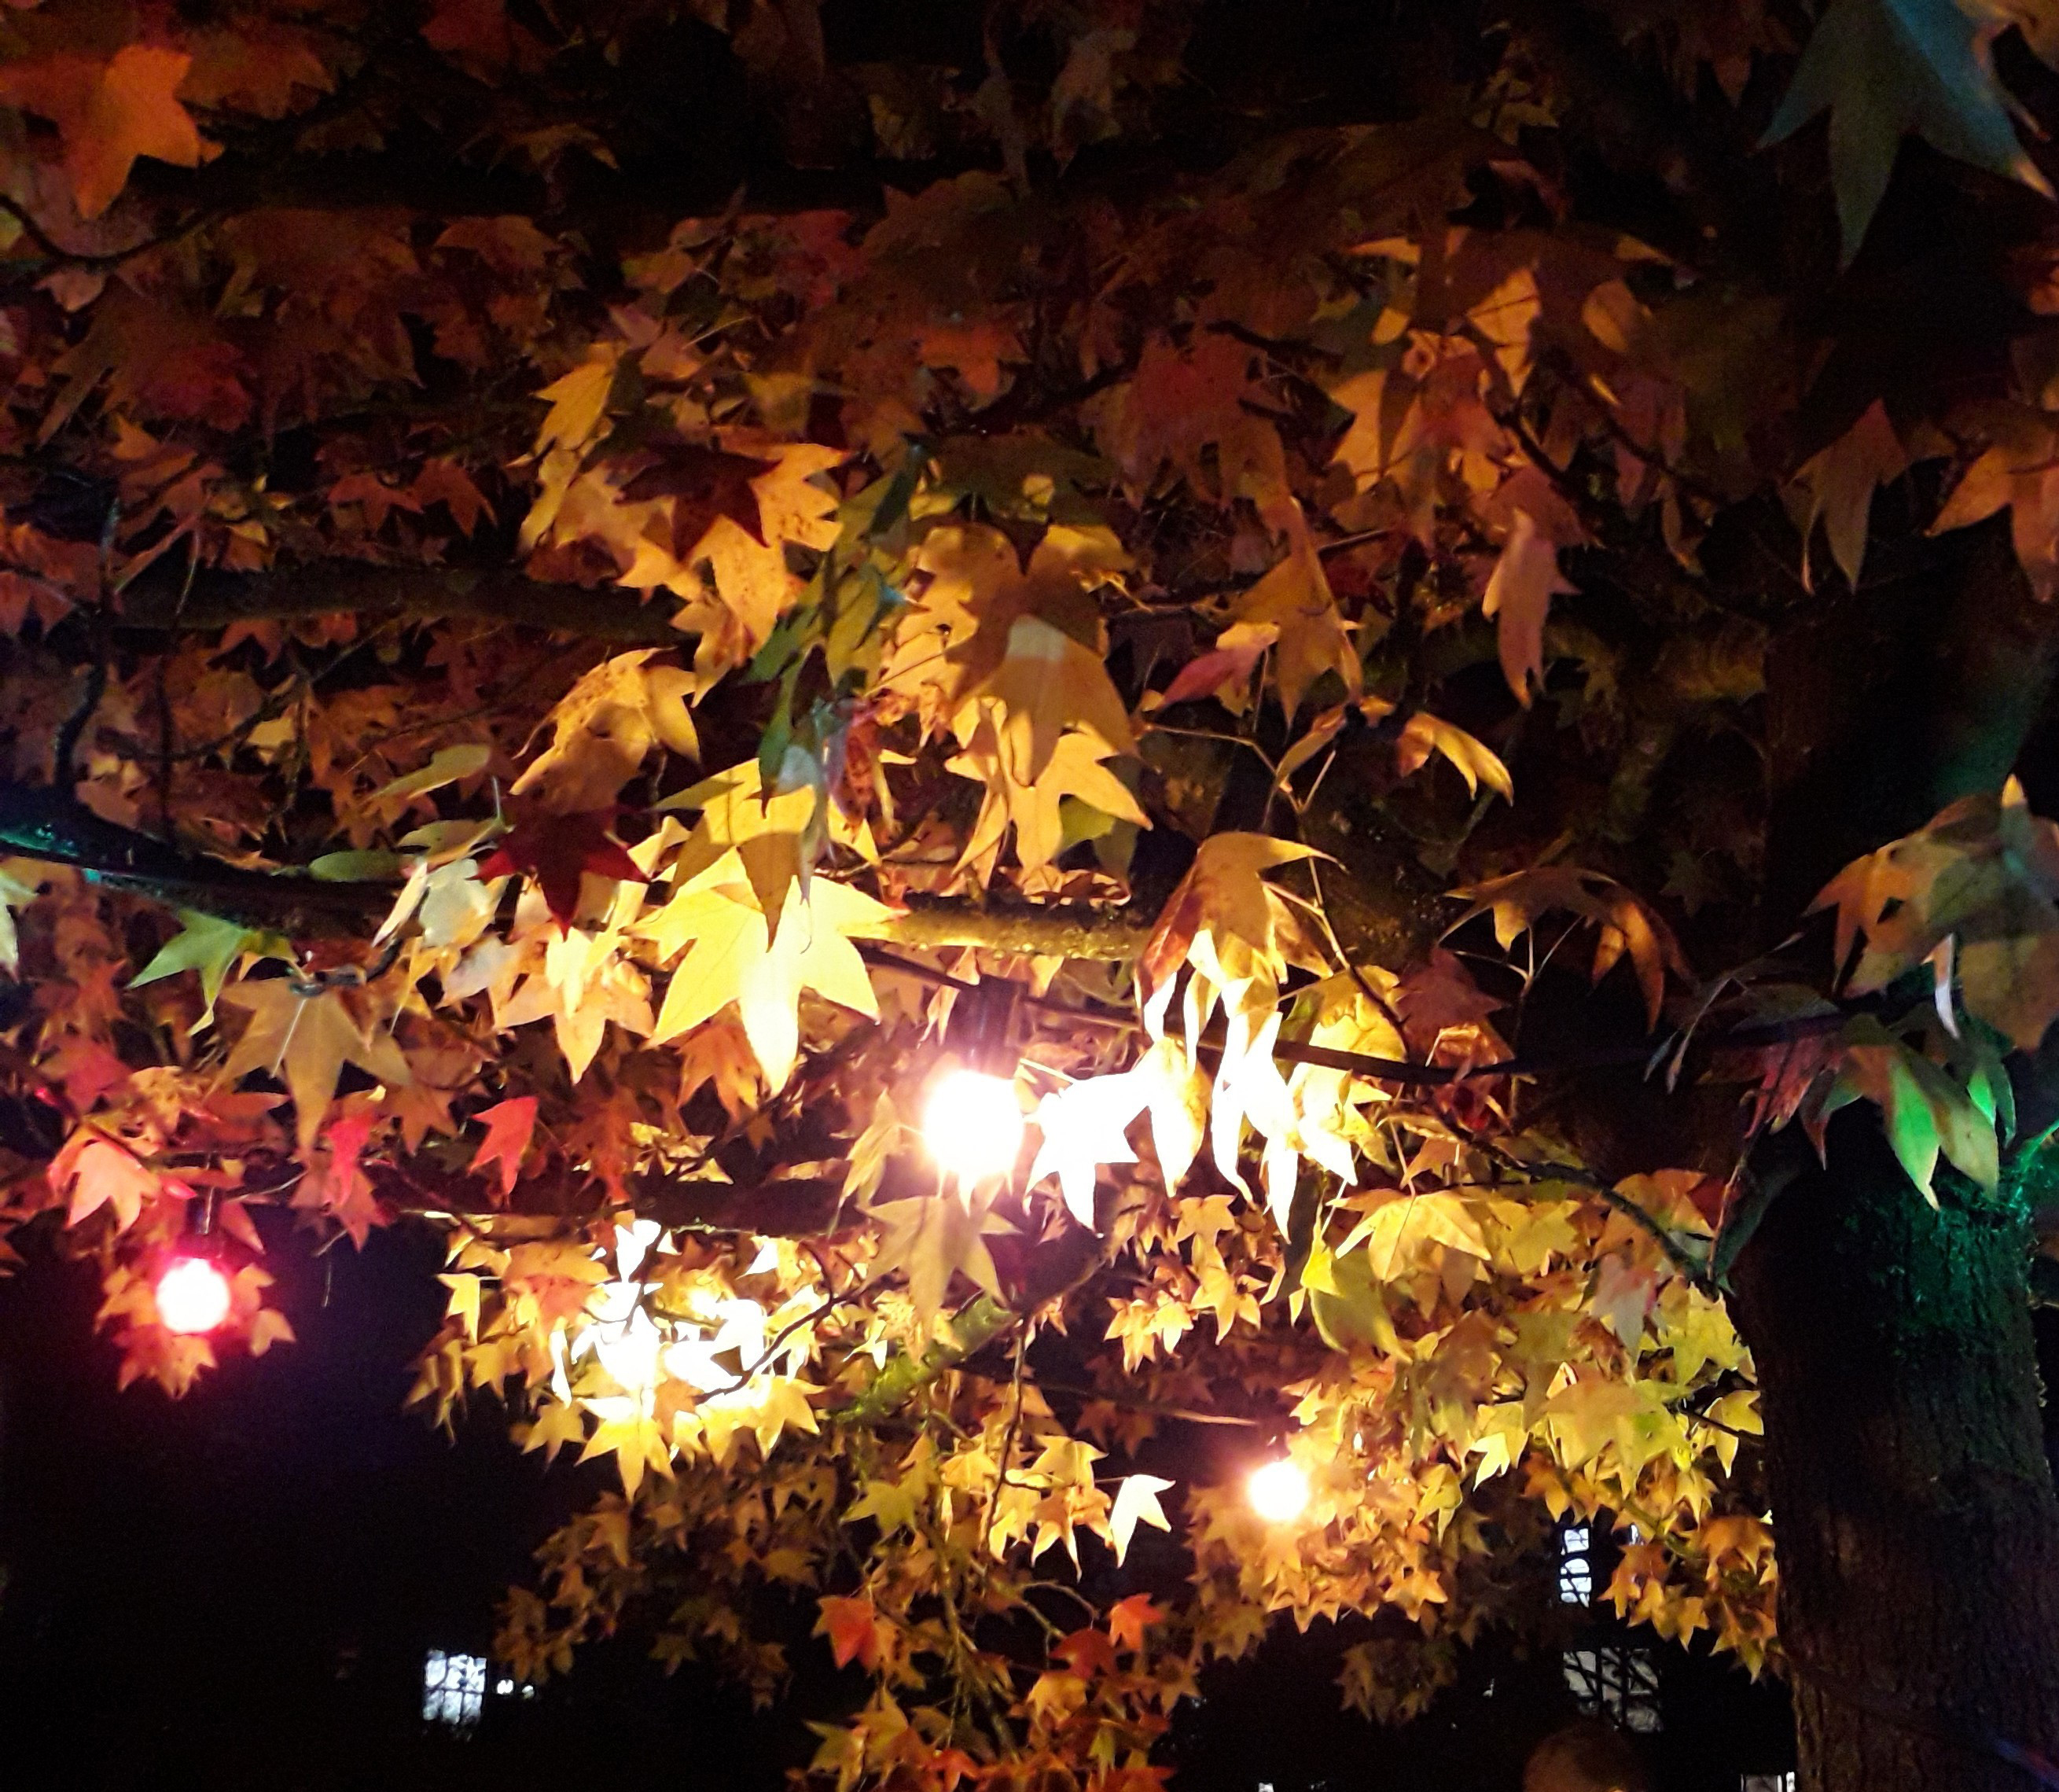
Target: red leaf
[[508, 1125], [705, 484], [1086, 1652], [478, 37], [852, 1627], [1202, 676], [446, 483], [557, 851]]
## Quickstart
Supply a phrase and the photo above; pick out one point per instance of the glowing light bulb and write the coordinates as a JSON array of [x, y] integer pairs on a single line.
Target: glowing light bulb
[[193, 1296], [973, 1125], [1278, 1491]]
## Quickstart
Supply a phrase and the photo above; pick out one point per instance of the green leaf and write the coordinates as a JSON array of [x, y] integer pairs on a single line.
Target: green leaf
[[1885, 68], [371, 866], [210, 945]]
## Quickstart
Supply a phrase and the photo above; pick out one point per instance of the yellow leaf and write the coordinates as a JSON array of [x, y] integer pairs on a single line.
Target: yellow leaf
[[558, 1424], [578, 400], [1045, 683], [1294, 600], [1224, 904], [306, 1041], [604, 728], [932, 1238], [464, 1301], [1137, 1502], [1840, 482], [1396, 1234], [734, 957], [752, 577], [1622, 924], [1075, 770], [776, 835]]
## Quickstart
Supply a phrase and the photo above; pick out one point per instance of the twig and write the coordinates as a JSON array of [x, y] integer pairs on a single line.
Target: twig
[[1186, 1414], [787, 1330], [1007, 1452], [1684, 1261]]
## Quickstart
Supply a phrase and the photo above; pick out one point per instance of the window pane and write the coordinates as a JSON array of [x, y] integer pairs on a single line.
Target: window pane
[[1576, 1573], [453, 1688]]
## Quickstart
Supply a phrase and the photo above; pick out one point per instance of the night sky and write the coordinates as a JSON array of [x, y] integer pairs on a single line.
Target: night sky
[[237, 1590]]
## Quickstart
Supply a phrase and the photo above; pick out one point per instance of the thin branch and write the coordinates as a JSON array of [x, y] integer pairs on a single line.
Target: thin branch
[[55, 251], [1683, 1260], [1186, 1414]]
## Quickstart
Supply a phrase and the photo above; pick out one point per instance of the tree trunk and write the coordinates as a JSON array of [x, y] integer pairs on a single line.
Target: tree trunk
[[1913, 1504]]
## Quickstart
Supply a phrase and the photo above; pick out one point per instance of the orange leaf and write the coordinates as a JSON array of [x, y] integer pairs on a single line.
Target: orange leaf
[[508, 1125], [1840, 481], [1128, 1618], [100, 1174], [108, 113]]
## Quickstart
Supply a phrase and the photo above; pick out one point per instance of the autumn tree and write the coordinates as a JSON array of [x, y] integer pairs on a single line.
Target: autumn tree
[[1424, 632]]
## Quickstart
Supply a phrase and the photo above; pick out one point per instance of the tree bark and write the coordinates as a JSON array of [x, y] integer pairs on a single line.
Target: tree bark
[[1918, 1529]]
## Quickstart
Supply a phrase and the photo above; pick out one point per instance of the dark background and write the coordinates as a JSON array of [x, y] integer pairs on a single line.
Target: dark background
[[236, 1591]]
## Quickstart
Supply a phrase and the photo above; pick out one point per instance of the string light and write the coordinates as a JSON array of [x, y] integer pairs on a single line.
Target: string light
[[973, 1125], [193, 1296], [1278, 1491]]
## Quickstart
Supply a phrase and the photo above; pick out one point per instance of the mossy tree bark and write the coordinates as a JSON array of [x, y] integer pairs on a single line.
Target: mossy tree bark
[[1913, 1501]]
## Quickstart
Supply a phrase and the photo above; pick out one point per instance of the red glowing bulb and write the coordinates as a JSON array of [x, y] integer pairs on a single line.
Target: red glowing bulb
[[193, 1296]]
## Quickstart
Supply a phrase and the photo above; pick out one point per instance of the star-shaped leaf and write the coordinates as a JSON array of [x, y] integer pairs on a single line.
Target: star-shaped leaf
[[1083, 1126], [508, 1125], [108, 113], [734, 957], [558, 851], [306, 1040], [1137, 1502], [207, 944], [1885, 68], [703, 483], [605, 728]]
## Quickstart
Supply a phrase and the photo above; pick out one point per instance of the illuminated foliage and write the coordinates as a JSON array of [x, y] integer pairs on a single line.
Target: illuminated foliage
[[569, 657]]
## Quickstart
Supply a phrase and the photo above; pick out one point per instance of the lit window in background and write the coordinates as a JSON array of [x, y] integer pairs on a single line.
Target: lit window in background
[[1767, 1783], [453, 1689], [1576, 1567], [1621, 1685]]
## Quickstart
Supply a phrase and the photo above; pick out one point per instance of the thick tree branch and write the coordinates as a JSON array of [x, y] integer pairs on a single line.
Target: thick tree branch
[[43, 822], [1061, 930], [218, 599], [1050, 1271], [800, 1208]]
